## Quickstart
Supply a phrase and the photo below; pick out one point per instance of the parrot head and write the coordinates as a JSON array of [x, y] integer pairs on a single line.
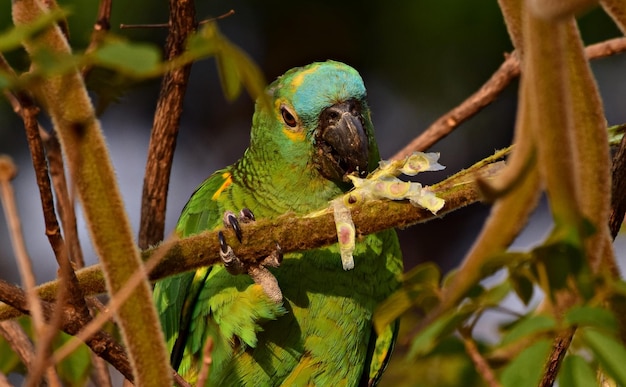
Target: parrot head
[[321, 118]]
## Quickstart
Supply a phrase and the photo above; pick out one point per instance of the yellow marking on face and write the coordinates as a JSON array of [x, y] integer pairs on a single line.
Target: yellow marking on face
[[228, 180], [294, 136], [298, 79]]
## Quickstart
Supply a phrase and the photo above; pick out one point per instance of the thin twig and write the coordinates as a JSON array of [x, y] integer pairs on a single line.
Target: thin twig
[[100, 29], [482, 367], [508, 71], [559, 348], [167, 25]]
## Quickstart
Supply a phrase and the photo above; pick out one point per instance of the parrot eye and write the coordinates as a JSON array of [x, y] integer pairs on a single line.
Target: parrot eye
[[289, 119]]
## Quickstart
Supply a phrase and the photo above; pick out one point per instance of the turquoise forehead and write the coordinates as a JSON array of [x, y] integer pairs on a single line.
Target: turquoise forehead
[[319, 85]]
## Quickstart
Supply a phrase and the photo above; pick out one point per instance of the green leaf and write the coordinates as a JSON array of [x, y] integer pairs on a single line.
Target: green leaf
[[522, 286], [529, 326], [53, 63], [526, 369], [420, 287], [249, 73], [609, 352], [204, 42], [425, 273], [494, 295], [575, 372], [9, 361], [593, 317], [13, 38], [428, 339], [135, 59], [561, 259], [75, 369], [228, 70]]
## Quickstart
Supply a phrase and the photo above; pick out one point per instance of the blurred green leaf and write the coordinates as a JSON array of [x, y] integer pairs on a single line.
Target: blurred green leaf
[[228, 70], [75, 369], [52, 63], [609, 352], [616, 133], [425, 273], [13, 38], [529, 326], [448, 365], [575, 372], [420, 287], [522, 285], [560, 259], [495, 294], [9, 361], [204, 42], [592, 317], [526, 369], [427, 339], [247, 72], [135, 59]]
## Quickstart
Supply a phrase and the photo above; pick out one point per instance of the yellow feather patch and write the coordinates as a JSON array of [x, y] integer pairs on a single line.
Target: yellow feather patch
[[298, 79], [228, 180], [294, 136]]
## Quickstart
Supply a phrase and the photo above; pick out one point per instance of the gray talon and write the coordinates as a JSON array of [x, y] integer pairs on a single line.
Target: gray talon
[[246, 216], [231, 262]]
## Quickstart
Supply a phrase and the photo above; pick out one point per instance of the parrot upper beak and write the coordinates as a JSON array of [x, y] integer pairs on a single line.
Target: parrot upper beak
[[341, 142]]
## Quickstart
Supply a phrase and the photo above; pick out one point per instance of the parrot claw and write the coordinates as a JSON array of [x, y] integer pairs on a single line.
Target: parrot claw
[[231, 262], [258, 272], [232, 221]]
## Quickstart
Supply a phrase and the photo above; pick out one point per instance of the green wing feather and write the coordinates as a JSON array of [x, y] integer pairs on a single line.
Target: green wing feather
[[177, 295]]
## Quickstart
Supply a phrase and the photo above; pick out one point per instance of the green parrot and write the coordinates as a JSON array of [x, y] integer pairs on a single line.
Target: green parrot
[[317, 329]]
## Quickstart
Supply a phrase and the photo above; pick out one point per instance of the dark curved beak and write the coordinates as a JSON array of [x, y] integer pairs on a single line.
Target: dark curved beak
[[342, 146]]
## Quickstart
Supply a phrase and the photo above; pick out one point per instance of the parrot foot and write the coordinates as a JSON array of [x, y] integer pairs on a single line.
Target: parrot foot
[[258, 271]]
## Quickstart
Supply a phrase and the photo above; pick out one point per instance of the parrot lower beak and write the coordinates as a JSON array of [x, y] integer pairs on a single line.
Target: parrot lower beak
[[342, 145]]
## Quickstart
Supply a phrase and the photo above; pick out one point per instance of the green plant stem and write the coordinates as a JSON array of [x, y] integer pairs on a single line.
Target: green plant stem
[[66, 100]]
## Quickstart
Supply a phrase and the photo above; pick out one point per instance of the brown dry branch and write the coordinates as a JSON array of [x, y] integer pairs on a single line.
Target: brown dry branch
[[507, 71], [165, 128]]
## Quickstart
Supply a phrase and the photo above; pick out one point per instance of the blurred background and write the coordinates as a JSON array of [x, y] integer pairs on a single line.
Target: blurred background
[[418, 59]]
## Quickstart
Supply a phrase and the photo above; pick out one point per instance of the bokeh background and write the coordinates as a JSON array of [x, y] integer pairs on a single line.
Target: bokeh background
[[419, 59]]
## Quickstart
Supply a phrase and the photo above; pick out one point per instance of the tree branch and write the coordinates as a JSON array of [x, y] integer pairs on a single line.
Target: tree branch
[[165, 129], [293, 233], [508, 71]]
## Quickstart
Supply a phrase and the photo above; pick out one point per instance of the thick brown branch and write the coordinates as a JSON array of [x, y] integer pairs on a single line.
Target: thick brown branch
[[508, 71], [165, 129]]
